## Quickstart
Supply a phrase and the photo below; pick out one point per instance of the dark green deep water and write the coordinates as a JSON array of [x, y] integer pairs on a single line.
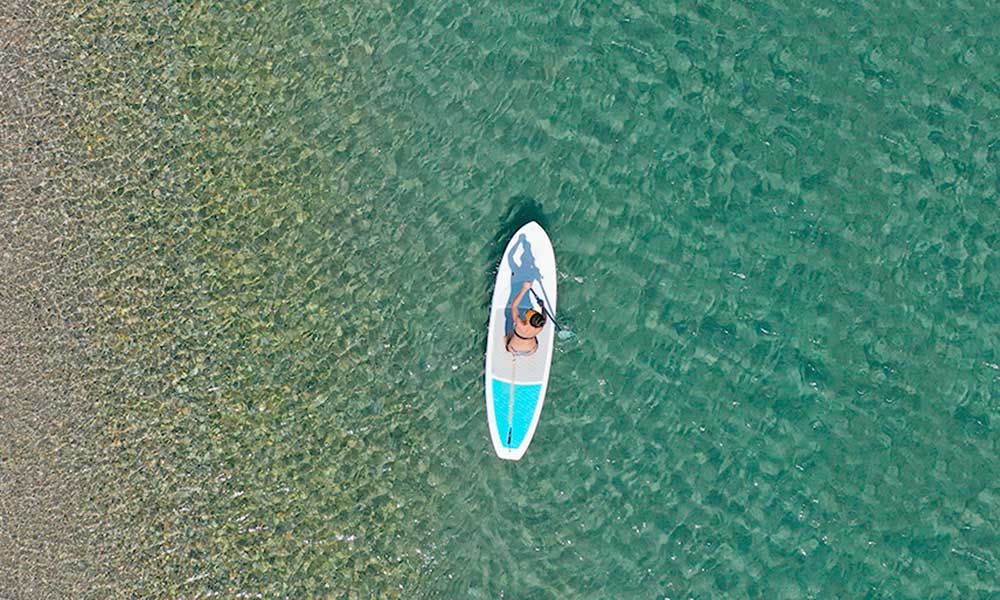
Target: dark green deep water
[[776, 229]]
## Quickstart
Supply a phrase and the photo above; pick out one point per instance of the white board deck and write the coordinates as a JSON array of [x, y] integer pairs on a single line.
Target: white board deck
[[515, 386]]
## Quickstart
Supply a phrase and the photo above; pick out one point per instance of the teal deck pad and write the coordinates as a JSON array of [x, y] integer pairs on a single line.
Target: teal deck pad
[[512, 431]]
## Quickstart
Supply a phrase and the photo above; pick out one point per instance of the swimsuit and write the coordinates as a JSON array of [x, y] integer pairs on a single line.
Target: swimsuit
[[521, 352]]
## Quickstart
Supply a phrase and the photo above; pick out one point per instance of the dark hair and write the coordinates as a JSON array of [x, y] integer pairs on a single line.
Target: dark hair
[[537, 320]]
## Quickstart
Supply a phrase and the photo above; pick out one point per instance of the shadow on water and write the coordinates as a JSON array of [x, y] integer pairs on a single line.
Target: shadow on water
[[521, 209]]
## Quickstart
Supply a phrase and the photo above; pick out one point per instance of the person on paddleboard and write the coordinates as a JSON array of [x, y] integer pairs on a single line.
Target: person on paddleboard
[[523, 339]]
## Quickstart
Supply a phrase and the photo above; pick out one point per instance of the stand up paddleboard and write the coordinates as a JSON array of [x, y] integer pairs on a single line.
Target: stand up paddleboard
[[515, 386]]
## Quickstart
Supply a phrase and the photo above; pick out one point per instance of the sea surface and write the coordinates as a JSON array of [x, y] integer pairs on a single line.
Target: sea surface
[[776, 228]]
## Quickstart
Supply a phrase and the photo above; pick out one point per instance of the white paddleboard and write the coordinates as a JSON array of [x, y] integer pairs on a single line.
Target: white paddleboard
[[515, 386]]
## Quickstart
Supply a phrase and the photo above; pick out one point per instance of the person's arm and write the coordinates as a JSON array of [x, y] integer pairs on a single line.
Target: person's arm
[[517, 300]]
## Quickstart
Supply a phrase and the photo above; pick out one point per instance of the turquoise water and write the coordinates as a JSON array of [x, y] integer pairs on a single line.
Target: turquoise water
[[774, 227]]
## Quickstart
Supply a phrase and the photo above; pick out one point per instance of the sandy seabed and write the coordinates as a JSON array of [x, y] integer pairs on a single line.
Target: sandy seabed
[[53, 529]]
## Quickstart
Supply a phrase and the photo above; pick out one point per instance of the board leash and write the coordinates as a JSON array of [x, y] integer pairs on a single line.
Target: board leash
[[510, 403]]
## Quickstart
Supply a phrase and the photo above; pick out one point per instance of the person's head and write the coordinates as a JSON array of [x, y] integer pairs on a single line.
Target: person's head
[[535, 319]]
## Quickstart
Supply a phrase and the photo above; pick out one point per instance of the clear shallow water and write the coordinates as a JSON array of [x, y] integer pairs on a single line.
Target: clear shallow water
[[775, 230]]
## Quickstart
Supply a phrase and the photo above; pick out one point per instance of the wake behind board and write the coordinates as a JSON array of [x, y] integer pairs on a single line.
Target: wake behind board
[[515, 386]]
